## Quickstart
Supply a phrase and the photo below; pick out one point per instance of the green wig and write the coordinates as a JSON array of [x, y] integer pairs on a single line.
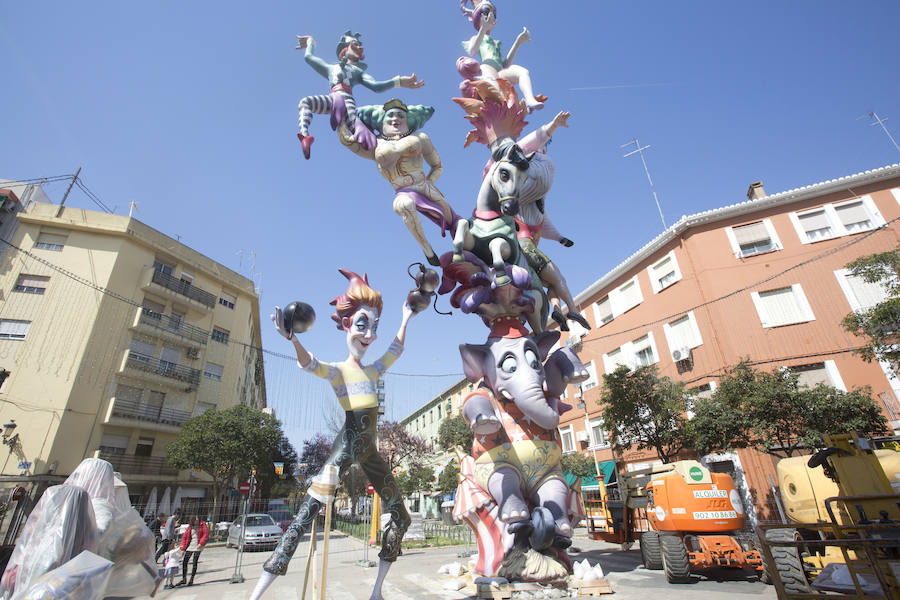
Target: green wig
[[373, 115]]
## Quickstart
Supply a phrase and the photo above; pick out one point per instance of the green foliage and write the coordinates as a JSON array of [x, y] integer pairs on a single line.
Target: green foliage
[[648, 411], [453, 432], [448, 479], [578, 465], [771, 412], [272, 485], [226, 444], [416, 479], [881, 323]]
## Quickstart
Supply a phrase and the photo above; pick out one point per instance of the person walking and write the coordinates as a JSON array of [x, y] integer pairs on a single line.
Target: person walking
[[192, 543], [154, 525], [166, 535]]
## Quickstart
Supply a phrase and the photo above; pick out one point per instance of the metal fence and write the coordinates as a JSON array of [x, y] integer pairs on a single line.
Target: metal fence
[[185, 288], [140, 411], [174, 325], [142, 362]]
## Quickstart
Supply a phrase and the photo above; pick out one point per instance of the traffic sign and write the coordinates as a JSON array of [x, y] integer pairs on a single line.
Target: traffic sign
[[244, 487], [370, 489]]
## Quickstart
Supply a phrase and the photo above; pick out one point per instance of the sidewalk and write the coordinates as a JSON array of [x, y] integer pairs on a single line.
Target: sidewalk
[[415, 576]]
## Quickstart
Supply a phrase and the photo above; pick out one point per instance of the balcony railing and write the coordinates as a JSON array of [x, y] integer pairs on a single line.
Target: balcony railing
[[129, 409], [185, 288], [165, 368], [173, 325], [144, 465]]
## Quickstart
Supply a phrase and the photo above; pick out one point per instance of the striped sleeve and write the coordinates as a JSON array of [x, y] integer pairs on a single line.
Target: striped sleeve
[[320, 369], [393, 353]]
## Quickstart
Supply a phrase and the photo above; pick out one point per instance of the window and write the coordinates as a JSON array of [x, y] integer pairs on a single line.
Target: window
[[567, 438], [701, 391], [153, 309], [630, 295], [51, 241], [592, 381], [644, 352], [603, 312], [4, 377], [599, 436], [812, 374], [861, 294], [784, 306], [168, 360], [682, 333], [175, 321], [220, 335], [141, 351], [213, 371], [163, 267], [202, 407], [612, 360], [187, 277], [837, 219], [113, 444], [664, 273], [227, 300], [128, 393], [891, 406], [31, 284], [753, 238], [144, 446], [13, 329]]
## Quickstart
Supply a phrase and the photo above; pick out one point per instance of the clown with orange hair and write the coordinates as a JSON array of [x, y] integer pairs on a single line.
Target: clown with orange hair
[[357, 312]]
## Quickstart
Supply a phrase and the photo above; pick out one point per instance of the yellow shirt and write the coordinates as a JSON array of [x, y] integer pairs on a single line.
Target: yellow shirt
[[354, 385]]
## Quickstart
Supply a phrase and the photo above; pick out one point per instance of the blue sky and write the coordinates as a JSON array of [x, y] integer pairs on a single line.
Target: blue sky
[[190, 110]]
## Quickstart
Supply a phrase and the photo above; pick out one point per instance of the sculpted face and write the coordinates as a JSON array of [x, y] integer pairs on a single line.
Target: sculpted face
[[355, 52], [361, 330], [395, 122]]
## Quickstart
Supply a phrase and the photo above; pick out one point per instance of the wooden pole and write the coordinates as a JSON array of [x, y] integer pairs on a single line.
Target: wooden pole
[[69, 189], [327, 531], [376, 519], [309, 558]]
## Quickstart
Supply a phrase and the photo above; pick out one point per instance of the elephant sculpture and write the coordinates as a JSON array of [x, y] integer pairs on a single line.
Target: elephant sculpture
[[512, 490]]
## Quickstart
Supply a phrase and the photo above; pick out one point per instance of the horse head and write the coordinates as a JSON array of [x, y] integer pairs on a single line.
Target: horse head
[[507, 175]]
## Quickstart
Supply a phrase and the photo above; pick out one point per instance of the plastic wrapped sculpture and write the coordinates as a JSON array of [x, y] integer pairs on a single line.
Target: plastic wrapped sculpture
[[399, 152], [85, 577], [512, 491], [493, 65], [342, 76], [357, 314]]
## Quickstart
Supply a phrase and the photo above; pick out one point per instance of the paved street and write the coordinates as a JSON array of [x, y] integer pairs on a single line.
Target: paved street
[[415, 575]]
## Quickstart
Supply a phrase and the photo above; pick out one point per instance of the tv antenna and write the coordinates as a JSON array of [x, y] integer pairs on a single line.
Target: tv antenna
[[640, 150], [880, 121]]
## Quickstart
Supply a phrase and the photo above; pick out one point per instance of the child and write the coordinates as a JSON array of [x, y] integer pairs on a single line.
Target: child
[[172, 559]]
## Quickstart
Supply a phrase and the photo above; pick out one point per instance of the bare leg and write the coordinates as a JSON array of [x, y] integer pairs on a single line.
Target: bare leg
[[383, 567], [554, 495], [406, 208], [520, 76], [459, 240], [499, 253], [504, 486], [265, 580]]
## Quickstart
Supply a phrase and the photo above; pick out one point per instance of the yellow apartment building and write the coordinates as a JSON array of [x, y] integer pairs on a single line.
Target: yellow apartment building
[[112, 335]]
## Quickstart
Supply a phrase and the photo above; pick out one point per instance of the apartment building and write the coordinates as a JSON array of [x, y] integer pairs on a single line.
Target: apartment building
[[763, 280], [112, 335]]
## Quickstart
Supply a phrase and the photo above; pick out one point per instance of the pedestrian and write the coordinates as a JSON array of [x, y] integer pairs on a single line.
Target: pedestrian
[[171, 561], [192, 543], [166, 534], [154, 526]]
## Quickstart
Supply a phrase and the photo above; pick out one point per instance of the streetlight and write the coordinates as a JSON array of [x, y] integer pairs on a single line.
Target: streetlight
[[9, 438]]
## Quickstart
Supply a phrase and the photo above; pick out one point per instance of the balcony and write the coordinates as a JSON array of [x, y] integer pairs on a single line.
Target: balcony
[[129, 409], [184, 288], [164, 368], [173, 325], [143, 465]]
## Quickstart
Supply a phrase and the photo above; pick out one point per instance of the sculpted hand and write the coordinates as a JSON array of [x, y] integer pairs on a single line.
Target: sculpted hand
[[305, 40], [412, 81], [488, 21], [408, 312], [525, 36], [562, 119], [278, 319]]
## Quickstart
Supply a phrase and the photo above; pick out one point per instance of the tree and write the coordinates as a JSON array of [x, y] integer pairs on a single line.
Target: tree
[[647, 410], [401, 448], [880, 323], [578, 465], [448, 479], [774, 413], [272, 485], [453, 432], [225, 444], [416, 479]]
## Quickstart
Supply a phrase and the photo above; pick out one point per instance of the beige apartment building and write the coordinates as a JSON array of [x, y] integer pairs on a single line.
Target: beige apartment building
[[112, 335]]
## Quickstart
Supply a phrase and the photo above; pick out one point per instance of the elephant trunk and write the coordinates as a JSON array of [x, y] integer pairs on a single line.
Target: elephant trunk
[[534, 405]]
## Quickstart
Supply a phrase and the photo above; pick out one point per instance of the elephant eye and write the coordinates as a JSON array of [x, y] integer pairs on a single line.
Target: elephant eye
[[532, 359], [509, 364]]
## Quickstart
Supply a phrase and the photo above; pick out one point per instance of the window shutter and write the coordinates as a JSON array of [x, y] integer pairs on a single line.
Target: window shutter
[[682, 335], [604, 311], [867, 294], [815, 220], [749, 234], [852, 213], [37, 281], [811, 375], [781, 307]]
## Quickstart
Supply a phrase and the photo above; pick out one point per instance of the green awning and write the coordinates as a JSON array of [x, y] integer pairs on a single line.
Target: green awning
[[607, 467]]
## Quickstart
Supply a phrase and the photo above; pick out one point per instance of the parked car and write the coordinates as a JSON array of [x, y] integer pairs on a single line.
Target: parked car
[[261, 532], [282, 517]]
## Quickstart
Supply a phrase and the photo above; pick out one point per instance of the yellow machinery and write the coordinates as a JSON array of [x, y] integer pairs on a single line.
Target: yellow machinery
[[844, 510]]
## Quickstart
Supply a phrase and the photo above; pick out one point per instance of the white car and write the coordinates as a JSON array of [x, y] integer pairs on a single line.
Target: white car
[[261, 532]]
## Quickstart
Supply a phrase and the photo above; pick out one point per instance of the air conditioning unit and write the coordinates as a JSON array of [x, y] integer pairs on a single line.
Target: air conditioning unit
[[683, 353], [581, 436], [193, 352]]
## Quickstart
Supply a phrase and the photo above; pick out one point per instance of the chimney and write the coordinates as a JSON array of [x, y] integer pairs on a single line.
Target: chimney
[[756, 191]]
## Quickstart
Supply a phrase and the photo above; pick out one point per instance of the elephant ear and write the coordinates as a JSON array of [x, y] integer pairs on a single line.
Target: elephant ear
[[474, 357], [545, 340]]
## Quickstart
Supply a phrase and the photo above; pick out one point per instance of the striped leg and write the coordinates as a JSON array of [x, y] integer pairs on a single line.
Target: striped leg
[[320, 105], [350, 103]]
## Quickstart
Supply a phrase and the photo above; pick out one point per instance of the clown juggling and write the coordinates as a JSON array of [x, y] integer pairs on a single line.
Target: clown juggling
[[357, 312]]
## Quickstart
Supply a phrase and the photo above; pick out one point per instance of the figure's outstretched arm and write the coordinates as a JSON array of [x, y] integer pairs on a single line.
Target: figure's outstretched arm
[[536, 140], [309, 43], [429, 153], [303, 356], [523, 37], [406, 81]]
